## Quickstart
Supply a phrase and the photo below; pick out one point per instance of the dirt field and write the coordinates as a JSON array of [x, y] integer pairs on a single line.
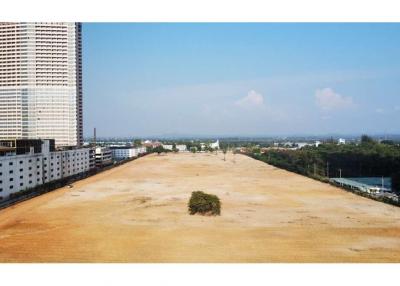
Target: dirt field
[[138, 213]]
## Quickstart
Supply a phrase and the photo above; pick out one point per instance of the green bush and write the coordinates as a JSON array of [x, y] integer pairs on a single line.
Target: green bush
[[204, 204]]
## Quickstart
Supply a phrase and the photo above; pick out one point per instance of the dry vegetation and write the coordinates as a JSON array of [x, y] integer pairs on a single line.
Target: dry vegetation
[[138, 213]]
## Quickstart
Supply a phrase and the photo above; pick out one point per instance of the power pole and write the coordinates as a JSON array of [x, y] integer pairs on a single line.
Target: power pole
[[315, 170], [340, 173]]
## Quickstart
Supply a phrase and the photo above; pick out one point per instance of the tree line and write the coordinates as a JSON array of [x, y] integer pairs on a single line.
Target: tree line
[[366, 159]]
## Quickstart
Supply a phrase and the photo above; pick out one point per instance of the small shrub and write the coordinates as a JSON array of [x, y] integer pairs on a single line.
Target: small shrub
[[204, 204]]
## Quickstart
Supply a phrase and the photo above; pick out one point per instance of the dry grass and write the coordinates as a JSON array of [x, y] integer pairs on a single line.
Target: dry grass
[[138, 213]]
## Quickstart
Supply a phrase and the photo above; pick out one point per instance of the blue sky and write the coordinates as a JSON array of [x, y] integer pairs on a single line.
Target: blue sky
[[241, 79]]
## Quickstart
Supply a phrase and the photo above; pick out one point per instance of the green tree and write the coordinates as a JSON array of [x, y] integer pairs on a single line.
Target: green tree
[[159, 149], [365, 139], [396, 182], [137, 143]]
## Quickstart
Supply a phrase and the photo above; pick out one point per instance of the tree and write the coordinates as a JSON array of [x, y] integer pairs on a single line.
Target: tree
[[365, 139], [204, 204], [193, 149], [224, 150], [137, 143], [396, 182], [174, 149], [159, 149]]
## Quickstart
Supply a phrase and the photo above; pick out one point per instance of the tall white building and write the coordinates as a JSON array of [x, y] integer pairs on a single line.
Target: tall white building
[[41, 82]]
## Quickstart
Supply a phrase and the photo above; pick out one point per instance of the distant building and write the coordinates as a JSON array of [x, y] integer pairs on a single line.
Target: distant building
[[181, 148], [168, 147], [341, 141], [215, 145], [317, 143], [103, 156], [141, 150], [151, 144], [121, 153], [302, 144]]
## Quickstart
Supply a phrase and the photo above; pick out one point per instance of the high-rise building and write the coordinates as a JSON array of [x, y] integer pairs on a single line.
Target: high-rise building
[[41, 82]]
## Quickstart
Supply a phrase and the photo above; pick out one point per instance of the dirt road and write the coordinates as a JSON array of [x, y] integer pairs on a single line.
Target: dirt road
[[138, 213]]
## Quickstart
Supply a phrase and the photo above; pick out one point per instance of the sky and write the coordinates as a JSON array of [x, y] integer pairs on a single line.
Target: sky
[[240, 79]]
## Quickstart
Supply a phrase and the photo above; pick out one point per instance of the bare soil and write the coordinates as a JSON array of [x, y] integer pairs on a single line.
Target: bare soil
[[138, 213]]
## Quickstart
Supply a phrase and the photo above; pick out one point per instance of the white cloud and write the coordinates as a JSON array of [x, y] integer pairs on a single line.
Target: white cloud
[[379, 110], [327, 99], [252, 98], [397, 108]]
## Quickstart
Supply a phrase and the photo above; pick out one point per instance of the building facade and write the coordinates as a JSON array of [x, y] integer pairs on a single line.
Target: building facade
[[103, 156], [20, 172], [181, 148], [121, 153], [41, 82]]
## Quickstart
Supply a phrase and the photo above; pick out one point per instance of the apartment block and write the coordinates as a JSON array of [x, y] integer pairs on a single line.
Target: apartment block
[[19, 172]]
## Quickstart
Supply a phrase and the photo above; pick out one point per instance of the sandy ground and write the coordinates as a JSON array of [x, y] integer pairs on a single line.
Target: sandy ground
[[138, 213]]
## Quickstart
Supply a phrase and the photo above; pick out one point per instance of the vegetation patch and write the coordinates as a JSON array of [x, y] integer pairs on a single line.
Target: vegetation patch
[[204, 204]]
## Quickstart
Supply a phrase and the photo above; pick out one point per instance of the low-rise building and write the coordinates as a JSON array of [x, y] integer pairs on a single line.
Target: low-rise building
[[215, 145], [141, 150], [41, 164], [342, 141], [168, 147], [122, 152], [181, 148], [103, 156], [92, 157]]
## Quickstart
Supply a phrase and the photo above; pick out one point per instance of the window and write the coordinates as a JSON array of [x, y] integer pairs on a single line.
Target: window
[[11, 171], [30, 182], [21, 184], [21, 177], [30, 168], [21, 170], [11, 179], [30, 175], [38, 173], [20, 162], [11, 187], [10, 163], [30, 161]]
